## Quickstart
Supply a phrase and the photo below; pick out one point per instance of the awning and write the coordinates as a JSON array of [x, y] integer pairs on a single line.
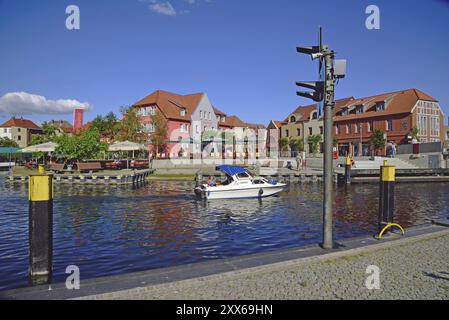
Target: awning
[[8, 150], [231, 170]]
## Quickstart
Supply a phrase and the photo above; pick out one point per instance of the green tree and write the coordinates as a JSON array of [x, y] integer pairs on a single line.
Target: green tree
[[284, 143], [314, 141], [108, 126], [130, 128], [81, 146], [6, 142], [415, 132], [378, 139], [159, 135]]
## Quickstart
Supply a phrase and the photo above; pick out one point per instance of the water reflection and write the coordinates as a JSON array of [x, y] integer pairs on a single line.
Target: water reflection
[[111, 230]]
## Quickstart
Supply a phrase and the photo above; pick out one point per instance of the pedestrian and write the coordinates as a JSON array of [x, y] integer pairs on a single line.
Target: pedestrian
[[298, 161]]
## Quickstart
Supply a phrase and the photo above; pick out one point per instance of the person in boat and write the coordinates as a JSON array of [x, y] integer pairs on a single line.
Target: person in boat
[[211, 182]]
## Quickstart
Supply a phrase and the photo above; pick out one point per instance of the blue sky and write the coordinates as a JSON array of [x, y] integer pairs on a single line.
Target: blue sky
[[241, 52]]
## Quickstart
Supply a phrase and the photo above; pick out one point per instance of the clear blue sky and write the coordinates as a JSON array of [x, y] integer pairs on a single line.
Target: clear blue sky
[[241, 52]]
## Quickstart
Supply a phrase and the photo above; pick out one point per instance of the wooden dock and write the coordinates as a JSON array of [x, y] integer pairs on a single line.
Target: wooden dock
[[120, 178]]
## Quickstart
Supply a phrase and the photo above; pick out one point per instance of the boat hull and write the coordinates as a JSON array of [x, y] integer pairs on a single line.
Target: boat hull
[[253, 192]]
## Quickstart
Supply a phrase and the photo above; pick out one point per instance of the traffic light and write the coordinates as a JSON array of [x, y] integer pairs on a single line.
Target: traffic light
[[313, 51], [316, 95]]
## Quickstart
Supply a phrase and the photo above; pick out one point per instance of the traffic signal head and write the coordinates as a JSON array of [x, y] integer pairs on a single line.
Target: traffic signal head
[[318, 90], [313, 51]]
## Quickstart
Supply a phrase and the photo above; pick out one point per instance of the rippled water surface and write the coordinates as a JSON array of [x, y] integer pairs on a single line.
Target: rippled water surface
[[113, 230]]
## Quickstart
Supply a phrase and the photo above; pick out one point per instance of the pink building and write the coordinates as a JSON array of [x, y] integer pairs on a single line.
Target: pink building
[[188, 116]]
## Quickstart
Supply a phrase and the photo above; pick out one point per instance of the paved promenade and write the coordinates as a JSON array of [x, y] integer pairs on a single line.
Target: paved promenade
[[410, 268]]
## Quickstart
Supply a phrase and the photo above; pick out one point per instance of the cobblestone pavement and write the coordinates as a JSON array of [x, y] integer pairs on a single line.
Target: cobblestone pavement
[[412, 268]]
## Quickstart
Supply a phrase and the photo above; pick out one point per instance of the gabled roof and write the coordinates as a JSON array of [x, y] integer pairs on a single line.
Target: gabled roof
[[397, 102], [305, 111], [21, 123], [219, 112], [171, 104]]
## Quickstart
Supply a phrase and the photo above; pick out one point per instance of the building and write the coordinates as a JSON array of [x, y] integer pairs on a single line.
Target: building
[[61, 126], [188, 118], [19, 130], [395, 113], [304, 122]]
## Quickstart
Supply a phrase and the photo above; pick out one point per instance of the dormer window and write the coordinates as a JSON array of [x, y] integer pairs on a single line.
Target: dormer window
[[183, 112], [359, 110], [380, 106], [345, 112], [223, 119], [292, 119], [315, 115]]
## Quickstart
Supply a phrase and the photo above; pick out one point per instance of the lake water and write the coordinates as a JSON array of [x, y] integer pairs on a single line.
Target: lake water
[[113, 230]]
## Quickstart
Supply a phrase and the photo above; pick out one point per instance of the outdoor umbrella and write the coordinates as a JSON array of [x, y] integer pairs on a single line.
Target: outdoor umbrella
[[126, 146], [43, 147]]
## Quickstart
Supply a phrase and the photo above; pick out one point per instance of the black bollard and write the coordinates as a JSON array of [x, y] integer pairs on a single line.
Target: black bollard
[[348, 165], [40, 225], [386, 195]]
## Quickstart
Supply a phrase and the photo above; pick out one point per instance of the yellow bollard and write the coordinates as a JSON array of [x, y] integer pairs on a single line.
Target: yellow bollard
[[41, 169], [40, 215]]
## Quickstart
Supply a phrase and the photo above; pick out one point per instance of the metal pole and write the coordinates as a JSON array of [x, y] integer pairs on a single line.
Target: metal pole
[[328, 162]]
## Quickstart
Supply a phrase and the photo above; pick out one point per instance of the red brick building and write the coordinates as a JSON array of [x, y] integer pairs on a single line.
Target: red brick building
[[396, 113]]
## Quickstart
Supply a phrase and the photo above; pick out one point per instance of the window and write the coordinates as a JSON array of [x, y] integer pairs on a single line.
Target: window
[[242, 175], [19, 130], [345, 112], [370, 126], [389, 125], [321, 130], [183, 112], [315, 115], [310, 131], [356, 128], [19, 138], [148, 127], [286, 133], [359, 110], [5, 130], [348, 128], [337, 129], [183, 127], [298, 131], [223, 119], [201, 114], [380, 106], [292, 119]]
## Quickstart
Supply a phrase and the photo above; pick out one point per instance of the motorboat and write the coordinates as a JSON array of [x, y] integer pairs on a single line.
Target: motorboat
[[239, 183]]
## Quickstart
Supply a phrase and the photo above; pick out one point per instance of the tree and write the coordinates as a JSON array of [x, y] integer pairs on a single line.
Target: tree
[[6, 142], [108, 126], [378, 139], [159, 135], [284, 143], [314, 141], [415, 132], [83, 145], [130, 128]]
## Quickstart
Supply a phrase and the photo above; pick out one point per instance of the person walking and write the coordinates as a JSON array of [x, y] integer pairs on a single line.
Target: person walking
[[298, 161]]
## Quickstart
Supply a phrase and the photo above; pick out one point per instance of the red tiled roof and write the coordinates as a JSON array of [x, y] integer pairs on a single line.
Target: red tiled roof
[[171, 103], [21, 123], [398, 102]]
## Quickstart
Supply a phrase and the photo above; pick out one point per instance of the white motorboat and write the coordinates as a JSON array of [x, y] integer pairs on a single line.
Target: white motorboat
[[239, 183]]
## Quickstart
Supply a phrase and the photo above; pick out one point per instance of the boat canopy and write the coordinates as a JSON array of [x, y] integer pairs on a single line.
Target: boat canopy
[[231, 170]]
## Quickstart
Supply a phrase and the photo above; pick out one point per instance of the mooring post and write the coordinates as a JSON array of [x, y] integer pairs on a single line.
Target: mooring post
[[348, 165], [40, 224], [386, 196]]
